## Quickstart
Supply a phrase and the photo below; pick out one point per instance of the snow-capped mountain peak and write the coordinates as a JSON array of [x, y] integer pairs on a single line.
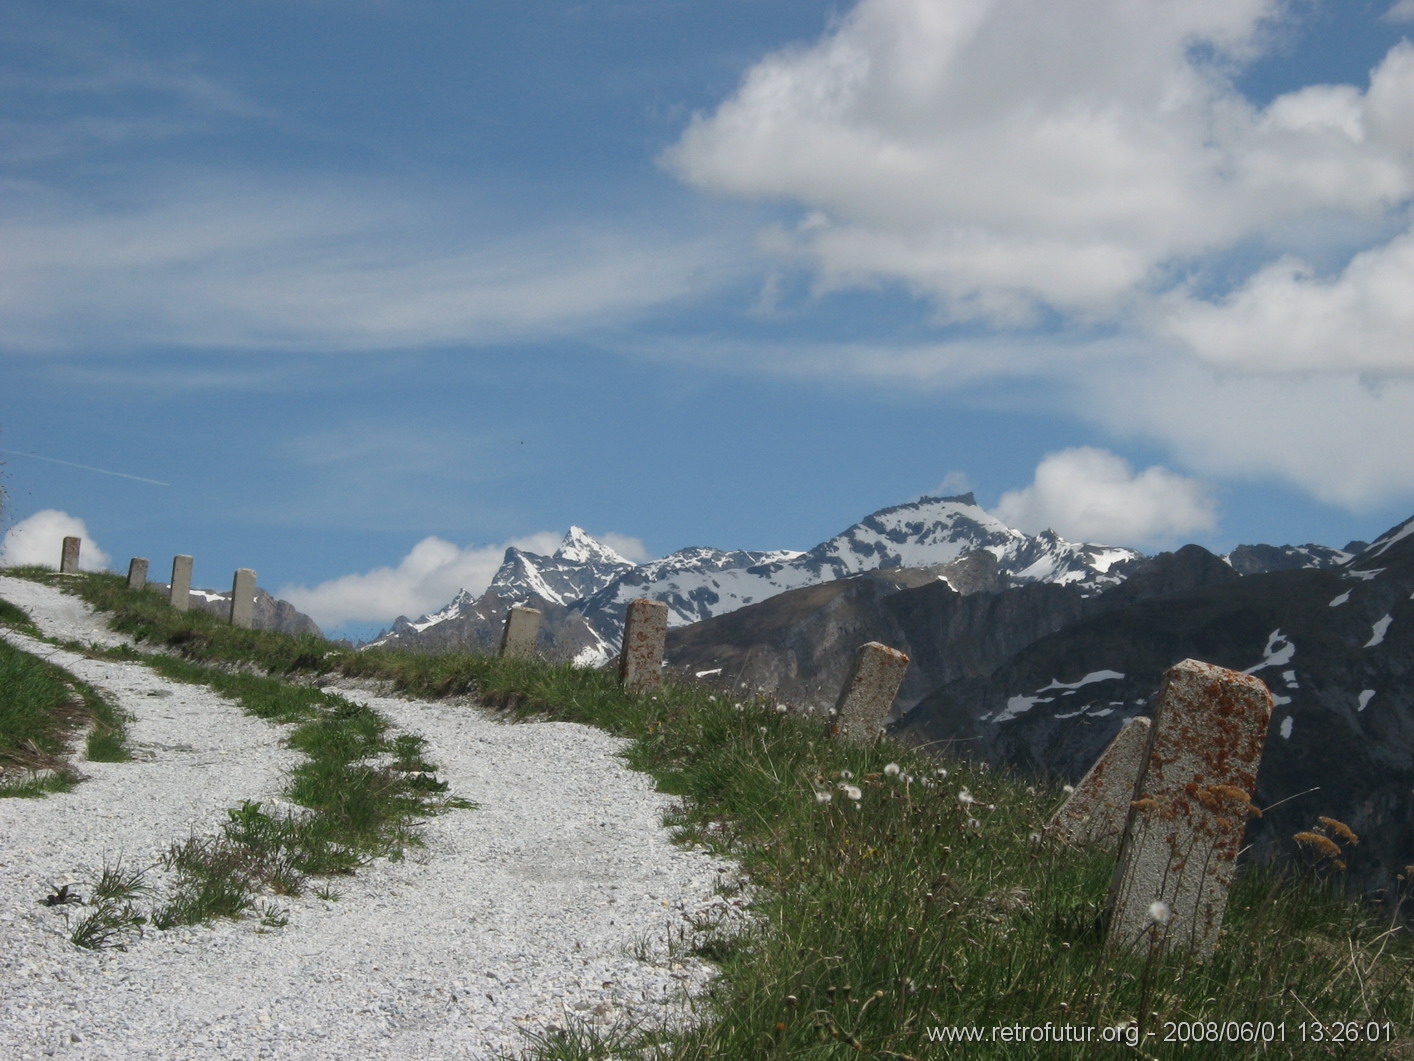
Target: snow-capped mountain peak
[[579, 547], [580, 566]]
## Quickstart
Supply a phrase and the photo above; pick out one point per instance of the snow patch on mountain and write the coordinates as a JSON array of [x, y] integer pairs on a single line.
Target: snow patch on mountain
[[1278, 653], [1377, 635]]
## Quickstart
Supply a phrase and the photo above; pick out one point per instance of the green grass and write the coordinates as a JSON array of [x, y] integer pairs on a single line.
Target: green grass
[[928, 903], [361, 796], [41, 707], [14, 615]]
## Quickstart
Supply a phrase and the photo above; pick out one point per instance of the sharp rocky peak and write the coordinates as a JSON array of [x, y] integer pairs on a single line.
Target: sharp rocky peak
[[581, 547]]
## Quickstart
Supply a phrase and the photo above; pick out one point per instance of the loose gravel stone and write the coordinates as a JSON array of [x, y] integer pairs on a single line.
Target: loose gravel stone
[[551, 903]]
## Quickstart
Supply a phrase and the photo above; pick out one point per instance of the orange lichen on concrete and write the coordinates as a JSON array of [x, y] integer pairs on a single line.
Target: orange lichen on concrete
[[1191, 806]]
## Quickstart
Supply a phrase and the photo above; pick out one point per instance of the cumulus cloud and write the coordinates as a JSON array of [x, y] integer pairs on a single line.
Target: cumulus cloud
[[1084, 189], [426, 579], [39, 539], [1091, 494], [1003, 157], [1286, 318]]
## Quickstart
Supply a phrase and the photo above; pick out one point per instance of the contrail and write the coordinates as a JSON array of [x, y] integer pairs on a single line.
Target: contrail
[[85, 467]]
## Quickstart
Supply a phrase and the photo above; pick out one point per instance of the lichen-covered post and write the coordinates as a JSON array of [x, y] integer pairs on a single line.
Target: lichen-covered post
[[1095, 813], [518, 636], [1179, 852], [69, 556], [179, 592], [137, 572], [243, 598], [868, 692], [645, 634]]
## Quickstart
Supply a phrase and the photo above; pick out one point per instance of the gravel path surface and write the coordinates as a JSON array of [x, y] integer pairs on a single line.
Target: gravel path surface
[[549, 904]]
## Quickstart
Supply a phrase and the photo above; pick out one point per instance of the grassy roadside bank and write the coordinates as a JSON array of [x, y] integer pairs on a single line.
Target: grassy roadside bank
[[902, 901], [42, 706]]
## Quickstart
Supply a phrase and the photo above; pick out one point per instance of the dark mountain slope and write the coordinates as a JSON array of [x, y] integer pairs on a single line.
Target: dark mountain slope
[[1335, 646]]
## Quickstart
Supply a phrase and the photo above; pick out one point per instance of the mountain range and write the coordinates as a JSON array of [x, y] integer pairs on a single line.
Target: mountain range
[[1028, 651], [582, 587]]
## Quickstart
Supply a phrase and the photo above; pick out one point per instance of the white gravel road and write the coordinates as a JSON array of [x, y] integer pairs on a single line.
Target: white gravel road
[[549, 904]]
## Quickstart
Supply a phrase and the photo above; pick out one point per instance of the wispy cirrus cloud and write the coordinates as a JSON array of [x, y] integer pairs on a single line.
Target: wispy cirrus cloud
[[291, 265]]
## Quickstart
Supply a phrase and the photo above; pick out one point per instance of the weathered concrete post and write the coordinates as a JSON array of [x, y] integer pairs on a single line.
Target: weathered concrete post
[[645, 634], [69, 556], [179, 595], [137, 572], [1179, 852], [1096, 812], [243, 598], [518, 637], [868, 692]]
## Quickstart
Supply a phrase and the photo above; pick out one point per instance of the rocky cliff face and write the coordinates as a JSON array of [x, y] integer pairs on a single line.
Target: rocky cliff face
[[798, 645], [1336, 647]]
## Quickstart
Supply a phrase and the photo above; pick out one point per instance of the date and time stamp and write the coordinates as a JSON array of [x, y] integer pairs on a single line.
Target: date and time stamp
[[1183, 1032]]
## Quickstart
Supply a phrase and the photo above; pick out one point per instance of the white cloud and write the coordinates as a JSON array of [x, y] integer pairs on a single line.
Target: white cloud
[[1342, 440], [259, 265], [952, 484], [1091, 494], [1287, 319], [1401, 11], [1001, 156], [39, 539], [426, 579], [1133, 241], [628, 547]]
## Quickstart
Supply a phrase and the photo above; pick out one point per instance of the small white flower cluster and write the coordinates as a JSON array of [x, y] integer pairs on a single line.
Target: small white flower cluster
[[896, 771]]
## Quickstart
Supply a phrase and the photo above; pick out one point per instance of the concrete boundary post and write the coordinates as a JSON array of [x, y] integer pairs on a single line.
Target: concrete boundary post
[[645, 635], [1185, 826], [868, 692], [518, 636], [137, 572], [243, 598], [1096, 812], [69, 556], [179, 595]]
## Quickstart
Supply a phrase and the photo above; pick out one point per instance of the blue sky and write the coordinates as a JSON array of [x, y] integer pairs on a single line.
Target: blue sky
[[370, 290]]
